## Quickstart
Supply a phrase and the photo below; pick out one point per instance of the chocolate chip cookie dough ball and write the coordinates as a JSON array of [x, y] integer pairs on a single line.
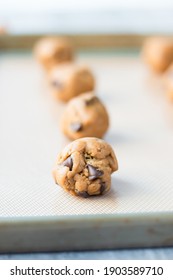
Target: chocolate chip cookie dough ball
[[158, 53], [52, 51], [85, 166], [84, 116], [168, 80], [70, 80]]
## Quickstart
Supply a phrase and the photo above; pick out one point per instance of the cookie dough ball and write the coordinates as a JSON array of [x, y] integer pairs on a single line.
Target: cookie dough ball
[[85, 166], [85, 116], [168, 80], [52, 51], [158, 53], [70, 80]]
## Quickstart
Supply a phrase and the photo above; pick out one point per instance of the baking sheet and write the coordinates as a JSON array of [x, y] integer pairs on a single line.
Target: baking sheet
[[141, 134]]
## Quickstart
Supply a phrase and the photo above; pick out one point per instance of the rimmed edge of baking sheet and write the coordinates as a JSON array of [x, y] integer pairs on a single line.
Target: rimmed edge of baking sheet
[[84, 41], [84, 232]]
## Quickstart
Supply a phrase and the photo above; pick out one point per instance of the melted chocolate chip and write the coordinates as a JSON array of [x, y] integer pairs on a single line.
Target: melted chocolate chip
[[68, 162], [57, 84], [102, 187], [91, 101], [76, 126], [94, 173], [83, 194]]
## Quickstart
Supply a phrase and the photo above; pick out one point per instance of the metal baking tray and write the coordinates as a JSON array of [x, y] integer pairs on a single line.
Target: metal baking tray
[[36, 214]]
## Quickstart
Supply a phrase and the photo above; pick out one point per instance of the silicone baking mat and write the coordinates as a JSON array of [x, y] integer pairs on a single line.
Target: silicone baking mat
[[141, 133]]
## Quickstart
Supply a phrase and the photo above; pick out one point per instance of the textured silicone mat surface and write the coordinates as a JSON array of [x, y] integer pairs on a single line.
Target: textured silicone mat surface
[[141, 133]]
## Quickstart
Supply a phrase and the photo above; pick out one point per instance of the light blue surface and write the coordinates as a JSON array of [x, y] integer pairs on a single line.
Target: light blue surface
[[133, 254]]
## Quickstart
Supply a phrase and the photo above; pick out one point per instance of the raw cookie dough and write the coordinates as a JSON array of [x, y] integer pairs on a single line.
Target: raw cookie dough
[[84, 116], [168, 79], [70, 80], [85, 166], [158, 53], [51, 51]]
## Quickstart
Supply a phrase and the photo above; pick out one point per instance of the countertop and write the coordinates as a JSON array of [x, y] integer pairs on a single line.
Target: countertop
[[130, 254]]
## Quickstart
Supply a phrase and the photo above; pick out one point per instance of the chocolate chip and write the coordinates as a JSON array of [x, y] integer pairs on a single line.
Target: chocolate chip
[[76, 126], [94, 173], [57, 84], [68, 162], [83, 194], [102, 187], [91, 101]]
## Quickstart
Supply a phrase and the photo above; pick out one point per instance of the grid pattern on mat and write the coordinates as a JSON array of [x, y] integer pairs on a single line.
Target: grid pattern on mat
[[141, 133]]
